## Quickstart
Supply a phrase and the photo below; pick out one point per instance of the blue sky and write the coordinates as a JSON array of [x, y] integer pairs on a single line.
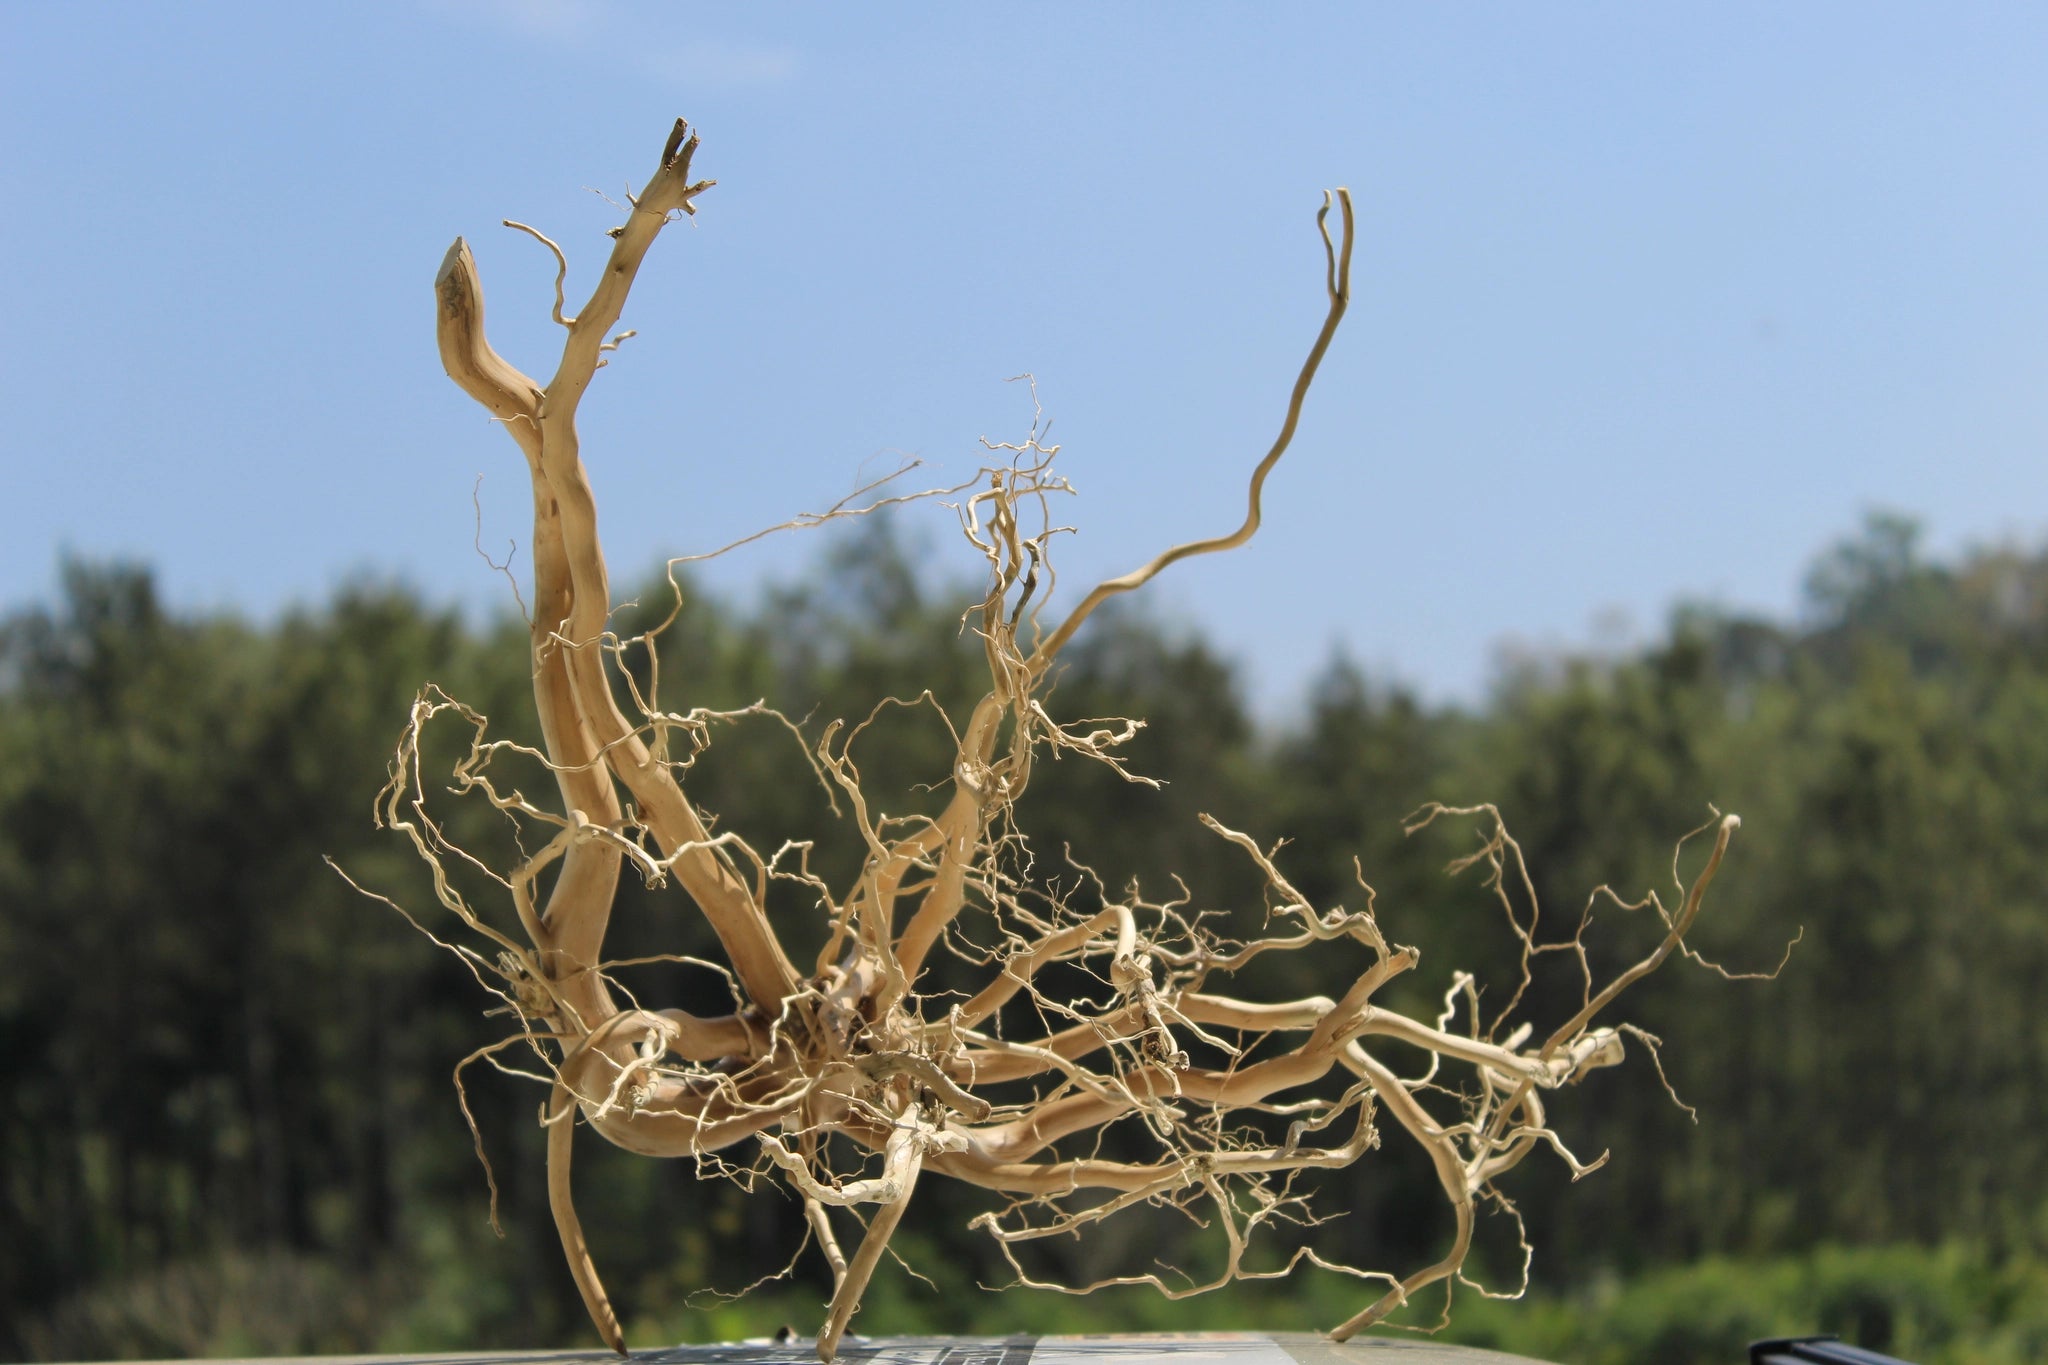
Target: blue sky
[[1652, 301]]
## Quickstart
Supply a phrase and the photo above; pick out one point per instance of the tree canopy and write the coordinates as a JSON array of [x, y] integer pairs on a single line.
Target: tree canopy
[[222, 1061]]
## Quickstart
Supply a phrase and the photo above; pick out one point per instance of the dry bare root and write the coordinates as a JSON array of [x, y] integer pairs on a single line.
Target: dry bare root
[[845, 1079]]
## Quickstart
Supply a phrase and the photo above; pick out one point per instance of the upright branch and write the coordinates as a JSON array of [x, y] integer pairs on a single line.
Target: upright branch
[[1337, 285], [1219, 1101]]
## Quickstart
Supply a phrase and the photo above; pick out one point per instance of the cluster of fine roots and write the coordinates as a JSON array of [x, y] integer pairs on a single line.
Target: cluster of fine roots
[[853, 1078]]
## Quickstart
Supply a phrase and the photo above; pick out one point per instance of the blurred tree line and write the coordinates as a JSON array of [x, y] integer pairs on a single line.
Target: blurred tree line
[[225, 1074]]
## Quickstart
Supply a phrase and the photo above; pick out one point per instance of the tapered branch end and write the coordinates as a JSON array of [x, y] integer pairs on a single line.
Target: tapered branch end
[[681, 145], [459, 320], [1337, 254], [465, 352], [671, 183], [456, 283]]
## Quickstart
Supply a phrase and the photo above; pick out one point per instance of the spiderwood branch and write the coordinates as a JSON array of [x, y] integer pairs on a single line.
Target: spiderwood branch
[[1153, 1087]]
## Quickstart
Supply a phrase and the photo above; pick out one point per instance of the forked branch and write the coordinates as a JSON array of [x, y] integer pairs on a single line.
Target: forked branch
[[857, 1057]]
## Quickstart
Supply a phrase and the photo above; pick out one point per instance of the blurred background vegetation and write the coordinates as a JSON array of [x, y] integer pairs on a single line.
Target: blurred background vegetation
[[230, 1127]]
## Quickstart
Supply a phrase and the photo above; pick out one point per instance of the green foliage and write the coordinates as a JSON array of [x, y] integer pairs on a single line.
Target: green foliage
[[226, 1073], [1952, 1305]]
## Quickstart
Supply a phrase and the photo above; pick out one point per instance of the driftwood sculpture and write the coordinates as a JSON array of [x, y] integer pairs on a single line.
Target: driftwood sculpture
[[842, 1078]]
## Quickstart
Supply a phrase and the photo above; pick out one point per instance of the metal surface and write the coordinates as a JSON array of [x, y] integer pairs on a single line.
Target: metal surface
[[1193, 1348]]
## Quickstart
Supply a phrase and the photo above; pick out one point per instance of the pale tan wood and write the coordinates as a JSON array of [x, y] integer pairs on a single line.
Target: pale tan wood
[[985, 1085]]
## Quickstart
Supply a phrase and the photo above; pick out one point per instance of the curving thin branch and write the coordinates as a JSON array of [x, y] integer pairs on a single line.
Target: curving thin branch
[[854, 1082]]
